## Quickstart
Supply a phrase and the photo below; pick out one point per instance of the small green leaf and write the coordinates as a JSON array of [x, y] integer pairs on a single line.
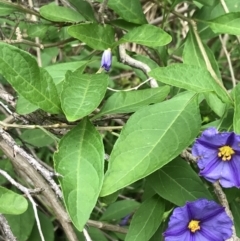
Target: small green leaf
[[24, 107], [36, 137], [126, 102], [82, 93], [11, 202], [227, 23], [58, 71], [147, 35], [184, 183], [189, 77], [130, 10], [94, 35], [80, 161], [60, 14], [20, 69], [84, 8], [236, 118], [22, 225], [119, 210], [146, 220], [150, 139]]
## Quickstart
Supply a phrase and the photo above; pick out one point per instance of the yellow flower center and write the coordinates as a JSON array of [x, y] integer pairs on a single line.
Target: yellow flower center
[[226, 152], [194, 225]]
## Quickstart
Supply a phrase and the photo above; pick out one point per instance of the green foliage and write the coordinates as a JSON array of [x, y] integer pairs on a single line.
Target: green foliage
[[11, 202], [163, 140], [116, 143], [81, 94], [184, 183], [79, 160], [146, 220]]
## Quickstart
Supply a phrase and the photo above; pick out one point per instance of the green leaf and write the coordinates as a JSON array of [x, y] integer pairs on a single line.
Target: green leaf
[[236, 118], [80, 161], [36, 137], [37, 30], [147, 35], [84, 8], [227, 23], [119, 210], [130, 10], [131, 101], [24, 107], [146, 220], [21, 225], [184, 183], [235, 207], [189, 77], [58, 71], [60, 14], [150, 139], [82, 93], [11, 202], [193, 56], [7, 8], [46, 227], [94, 35], [20, 69]]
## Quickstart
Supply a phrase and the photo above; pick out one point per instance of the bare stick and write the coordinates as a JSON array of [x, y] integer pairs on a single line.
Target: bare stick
[[107, 226], [27, 193], [6, 230], [86, 235], [101, 11], [125, 58]]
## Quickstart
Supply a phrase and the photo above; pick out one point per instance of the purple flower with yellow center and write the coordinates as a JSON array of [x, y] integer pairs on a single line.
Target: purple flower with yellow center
[[219, 157], [201, 220], [106, 59]]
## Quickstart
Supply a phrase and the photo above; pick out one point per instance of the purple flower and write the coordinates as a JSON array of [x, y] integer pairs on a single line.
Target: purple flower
[[219, 157], [106, 59], [201, 220]]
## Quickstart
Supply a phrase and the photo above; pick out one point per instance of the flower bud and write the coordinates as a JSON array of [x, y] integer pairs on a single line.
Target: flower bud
[[106, 59]]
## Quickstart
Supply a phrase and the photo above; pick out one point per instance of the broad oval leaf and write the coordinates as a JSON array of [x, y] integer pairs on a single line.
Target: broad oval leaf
[[130, 10], [227, 23], [56, 13], [146, 220], [11, 202], [7, 8], [82, 93], [147, 35], [184, 183], [24, 107], [131, 101], [119, 210], [80, 161], [94, 35], [152, 137], [235, 207], [20, 69], [190, 77]]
